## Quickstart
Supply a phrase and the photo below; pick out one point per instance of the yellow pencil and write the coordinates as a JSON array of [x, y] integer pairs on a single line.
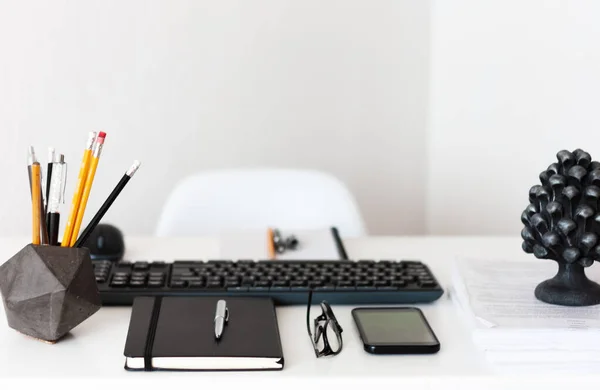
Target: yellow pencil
[[88, 186], [83, 172], [36, 202], [270, 244]]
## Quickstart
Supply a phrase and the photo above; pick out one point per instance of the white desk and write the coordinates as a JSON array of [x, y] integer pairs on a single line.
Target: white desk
[[95, 348]]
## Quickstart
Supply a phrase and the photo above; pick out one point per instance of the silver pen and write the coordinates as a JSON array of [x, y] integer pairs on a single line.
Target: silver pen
[[221, 318]]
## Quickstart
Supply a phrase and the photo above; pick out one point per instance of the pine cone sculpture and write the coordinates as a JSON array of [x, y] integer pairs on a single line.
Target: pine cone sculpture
[[562, 221]]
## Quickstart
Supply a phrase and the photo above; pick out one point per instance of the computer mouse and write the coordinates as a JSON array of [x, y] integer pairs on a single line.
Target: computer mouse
[[105, 243]]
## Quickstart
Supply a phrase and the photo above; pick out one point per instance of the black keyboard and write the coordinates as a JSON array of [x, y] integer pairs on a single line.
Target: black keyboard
[[287, 282]]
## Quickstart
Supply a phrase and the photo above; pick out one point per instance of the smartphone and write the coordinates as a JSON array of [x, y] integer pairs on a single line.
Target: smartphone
[[395, 330]]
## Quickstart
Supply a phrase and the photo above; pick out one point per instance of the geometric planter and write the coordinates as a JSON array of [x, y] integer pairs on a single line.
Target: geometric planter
[[48, 290]]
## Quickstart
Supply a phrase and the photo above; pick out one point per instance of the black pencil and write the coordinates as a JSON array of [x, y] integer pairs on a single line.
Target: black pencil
[[339, 244], [107, 203]]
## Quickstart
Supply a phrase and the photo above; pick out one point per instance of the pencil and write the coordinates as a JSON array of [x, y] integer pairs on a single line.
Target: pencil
[[88, 186], [83, 171], [44, 229], [107, 203], [339, 244], [36, 203], [271, 243]]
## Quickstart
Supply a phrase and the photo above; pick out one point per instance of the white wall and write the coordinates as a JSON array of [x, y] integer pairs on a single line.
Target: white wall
[[193, 85], [512, 83]]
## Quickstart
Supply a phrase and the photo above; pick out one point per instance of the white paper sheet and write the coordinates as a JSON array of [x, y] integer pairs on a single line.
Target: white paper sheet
[[500, 293]]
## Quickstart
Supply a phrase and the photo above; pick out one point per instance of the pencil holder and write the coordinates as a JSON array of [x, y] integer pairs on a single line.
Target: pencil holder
[[48, 290]]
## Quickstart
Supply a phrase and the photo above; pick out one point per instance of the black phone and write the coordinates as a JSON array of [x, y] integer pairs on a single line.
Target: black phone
[[395, 330]]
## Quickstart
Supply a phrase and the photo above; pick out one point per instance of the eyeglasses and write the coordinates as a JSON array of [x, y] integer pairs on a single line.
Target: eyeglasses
[[326, 336]]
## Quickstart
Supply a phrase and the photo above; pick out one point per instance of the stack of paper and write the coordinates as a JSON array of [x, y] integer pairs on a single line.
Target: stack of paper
[[515, 330]]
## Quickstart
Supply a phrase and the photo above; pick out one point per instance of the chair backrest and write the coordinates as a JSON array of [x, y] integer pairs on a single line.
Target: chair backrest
[[214, 201]]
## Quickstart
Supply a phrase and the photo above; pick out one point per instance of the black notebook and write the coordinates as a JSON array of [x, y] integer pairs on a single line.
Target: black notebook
[[178, 333]]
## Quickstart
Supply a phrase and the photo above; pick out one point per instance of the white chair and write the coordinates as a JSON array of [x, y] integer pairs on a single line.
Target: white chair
[[214, 201]]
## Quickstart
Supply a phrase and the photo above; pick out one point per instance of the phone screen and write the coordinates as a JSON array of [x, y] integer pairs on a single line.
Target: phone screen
[[394, 326]]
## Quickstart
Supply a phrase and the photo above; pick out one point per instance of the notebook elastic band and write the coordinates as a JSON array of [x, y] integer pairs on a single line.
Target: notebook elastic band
[[151, 334]]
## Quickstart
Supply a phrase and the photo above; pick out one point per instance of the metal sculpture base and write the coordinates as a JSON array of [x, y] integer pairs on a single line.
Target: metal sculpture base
[[570, 287]]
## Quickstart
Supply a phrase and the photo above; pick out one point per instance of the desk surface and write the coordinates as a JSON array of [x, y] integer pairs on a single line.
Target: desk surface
[[95, 348]]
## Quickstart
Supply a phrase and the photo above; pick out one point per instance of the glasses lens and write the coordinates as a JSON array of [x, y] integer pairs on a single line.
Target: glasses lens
[[318, 337], [332, 337]]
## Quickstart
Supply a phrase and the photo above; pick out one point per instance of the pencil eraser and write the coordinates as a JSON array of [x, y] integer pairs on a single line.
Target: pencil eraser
[[101, 134]]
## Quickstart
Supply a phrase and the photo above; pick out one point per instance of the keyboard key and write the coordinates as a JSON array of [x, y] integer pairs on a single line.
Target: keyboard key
[[366, 263], [398, 283], [219, 262], [156, 283], [428, 284], [141, 265], [214, 285], [196, 284], [280, 283], [183, 273], [118, 283], [345, 288], [243, 261], [137, 283], [100, 279], [387, 288], [381, 283], [184, 264], [237, 289], [279, 288], [156, 274], [191, 278], [178, 283], [121, 274]]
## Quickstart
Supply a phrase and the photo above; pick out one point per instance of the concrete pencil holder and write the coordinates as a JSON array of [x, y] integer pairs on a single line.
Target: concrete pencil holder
[[48, 290]]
